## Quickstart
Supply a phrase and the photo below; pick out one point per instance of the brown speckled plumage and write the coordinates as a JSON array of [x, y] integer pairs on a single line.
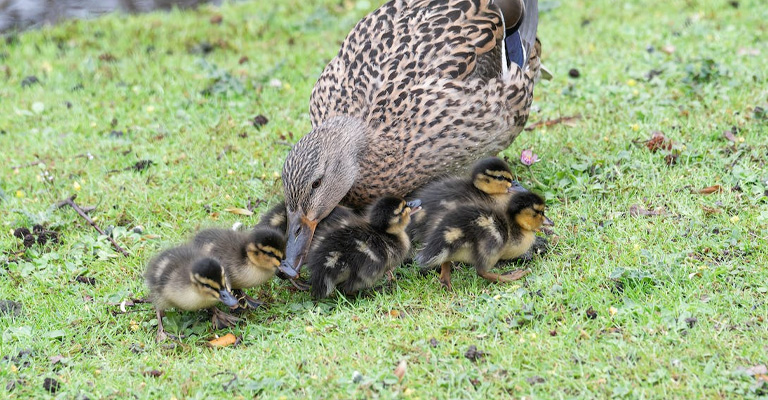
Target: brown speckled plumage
[[418, 90]]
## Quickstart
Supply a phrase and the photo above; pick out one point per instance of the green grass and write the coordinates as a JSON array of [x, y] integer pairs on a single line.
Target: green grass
[[678, 300]]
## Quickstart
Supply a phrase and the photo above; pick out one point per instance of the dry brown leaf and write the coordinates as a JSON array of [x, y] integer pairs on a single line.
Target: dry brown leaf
[[402, 367], [394, 314], [710, 210], [227, 340], [238, 211], [710, 190], [636, 210], [758, 370], [730, 136]]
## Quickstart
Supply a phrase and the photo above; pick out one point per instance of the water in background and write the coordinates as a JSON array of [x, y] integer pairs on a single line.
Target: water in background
[[25, 14]]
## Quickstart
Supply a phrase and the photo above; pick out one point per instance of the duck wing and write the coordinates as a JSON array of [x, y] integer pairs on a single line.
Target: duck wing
[[428, 79]]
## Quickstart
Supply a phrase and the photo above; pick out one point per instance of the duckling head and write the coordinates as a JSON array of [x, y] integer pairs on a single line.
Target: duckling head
[[209, 278], [392, 214], [493, 176], [527, 210], [318, 172], [265, 249]]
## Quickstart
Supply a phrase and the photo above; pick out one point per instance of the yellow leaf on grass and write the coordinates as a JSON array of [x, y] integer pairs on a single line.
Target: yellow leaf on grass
[[402, 366], [238, 211], [227, 340]]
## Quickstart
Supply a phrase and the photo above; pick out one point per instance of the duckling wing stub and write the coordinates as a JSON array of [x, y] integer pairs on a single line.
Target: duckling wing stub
[[402, 43]]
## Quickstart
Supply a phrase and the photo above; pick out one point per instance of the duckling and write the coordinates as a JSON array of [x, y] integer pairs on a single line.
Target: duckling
[[182, 277], [490, 183], [276, 218], [249, 258], [481, 236], [355, 256]]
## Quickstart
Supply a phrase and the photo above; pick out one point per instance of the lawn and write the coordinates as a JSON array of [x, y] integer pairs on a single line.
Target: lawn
[[656, 286]]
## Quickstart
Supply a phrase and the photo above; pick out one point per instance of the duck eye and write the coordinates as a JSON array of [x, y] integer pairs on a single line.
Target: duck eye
[[317, 183]]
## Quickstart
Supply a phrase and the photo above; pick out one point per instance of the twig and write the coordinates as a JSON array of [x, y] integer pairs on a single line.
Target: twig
[[29, 164], [70, 201], [550, 122]]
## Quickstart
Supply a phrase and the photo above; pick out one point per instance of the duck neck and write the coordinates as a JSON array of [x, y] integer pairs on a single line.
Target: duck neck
[[346, 137]]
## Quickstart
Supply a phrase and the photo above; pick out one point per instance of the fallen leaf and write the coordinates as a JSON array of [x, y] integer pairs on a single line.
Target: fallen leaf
[[259, 121], [473, 354], [57, 359], [710, 210], [86, 279], [154, 373], [668, 48], [636, 210], [238, 211], [709, 190], [760, 369], [729, 135], [394, 313], [227, 340], [658, 141], [216, 19], [400, 370], [748, 52], [51, 385]]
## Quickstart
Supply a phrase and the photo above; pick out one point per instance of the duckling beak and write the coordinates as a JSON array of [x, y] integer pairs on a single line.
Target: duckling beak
[[548, 221], [227, 298], [414, 205], [300, 232], [516, 187]]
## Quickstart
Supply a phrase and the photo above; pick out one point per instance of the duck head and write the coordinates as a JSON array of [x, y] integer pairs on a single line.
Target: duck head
[[318, 172]]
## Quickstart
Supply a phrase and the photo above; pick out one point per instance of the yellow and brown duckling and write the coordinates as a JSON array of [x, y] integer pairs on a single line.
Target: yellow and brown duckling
[[356, 256], [249, 258], [419, 89], [490, 184], [184, 278], [277, 218], [482, 236]]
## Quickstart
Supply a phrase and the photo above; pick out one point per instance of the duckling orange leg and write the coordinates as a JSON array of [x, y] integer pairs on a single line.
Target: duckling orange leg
[[445, 275], [505, 277]]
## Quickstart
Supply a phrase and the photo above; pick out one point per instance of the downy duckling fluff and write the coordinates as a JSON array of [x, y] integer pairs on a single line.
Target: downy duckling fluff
[[490, 184], [182, 277], [277, 218], [482, 236], [356, 256], [249, 258]]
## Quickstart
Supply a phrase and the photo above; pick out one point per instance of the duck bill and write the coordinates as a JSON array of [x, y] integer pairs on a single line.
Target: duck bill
[[300, 232], [414, 205], [548, 222], [516, 187], [227, 298]]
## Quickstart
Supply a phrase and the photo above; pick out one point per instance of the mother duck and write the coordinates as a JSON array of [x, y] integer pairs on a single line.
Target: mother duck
[[418, 90]]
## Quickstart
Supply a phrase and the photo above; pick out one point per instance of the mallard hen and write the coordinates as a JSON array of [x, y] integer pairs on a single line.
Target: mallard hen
[[419, 89]]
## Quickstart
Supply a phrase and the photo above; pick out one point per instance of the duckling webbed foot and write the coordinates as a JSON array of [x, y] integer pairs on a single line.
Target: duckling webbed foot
[[245, 302], [162, 335], [221, 320], [299, 284], [506, 277]]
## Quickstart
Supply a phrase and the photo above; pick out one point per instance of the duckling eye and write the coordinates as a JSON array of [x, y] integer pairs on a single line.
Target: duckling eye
[[317, 183]]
